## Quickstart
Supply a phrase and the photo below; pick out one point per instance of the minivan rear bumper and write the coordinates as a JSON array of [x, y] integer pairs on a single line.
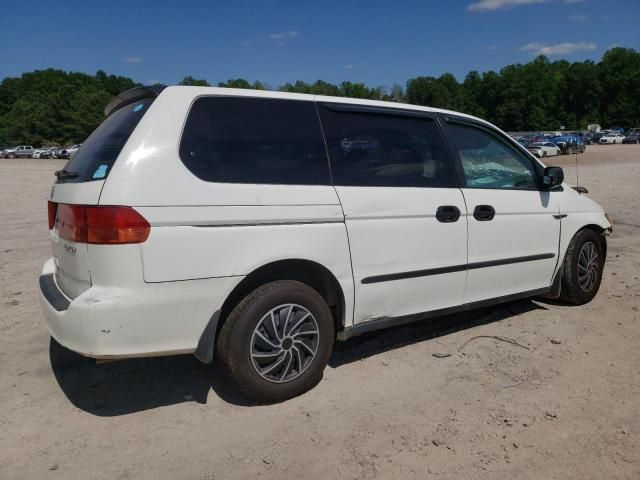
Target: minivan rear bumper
[[111, 322]]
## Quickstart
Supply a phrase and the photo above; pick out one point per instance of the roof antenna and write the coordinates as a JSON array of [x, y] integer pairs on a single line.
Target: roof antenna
[[574, 142], [577, 176]]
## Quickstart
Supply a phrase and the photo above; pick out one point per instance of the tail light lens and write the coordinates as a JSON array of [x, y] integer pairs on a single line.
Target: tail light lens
[[52, 208], [101, 225]]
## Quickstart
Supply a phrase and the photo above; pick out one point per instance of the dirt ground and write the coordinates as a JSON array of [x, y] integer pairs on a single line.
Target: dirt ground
[[565, 407]]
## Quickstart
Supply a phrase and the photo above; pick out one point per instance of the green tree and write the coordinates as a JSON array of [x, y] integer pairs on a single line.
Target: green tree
[[194, 82], [619, 75], [56, 107], [235, 83]]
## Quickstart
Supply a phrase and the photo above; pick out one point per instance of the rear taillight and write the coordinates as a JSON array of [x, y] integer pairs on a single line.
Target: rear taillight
[[101, 225], [52, 207]]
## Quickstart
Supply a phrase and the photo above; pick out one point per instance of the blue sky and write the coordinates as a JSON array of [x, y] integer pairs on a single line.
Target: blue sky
[[377, 42]]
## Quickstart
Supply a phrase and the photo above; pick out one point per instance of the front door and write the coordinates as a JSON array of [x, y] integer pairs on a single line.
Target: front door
[[514, 226], [405, 215]]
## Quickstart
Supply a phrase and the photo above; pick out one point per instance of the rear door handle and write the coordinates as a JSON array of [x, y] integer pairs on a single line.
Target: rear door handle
[[484, 213], [448, 213]]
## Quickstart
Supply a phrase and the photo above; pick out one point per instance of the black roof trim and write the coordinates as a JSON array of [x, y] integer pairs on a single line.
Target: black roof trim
[[133, 95], [359, 108]]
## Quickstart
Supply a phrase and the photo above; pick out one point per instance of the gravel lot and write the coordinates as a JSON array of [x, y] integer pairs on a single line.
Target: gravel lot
[[566, 406]]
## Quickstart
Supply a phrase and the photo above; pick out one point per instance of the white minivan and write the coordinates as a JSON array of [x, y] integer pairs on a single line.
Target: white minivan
[[258, 227]]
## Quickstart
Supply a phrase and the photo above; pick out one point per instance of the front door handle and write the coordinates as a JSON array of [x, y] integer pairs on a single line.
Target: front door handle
[[448, 213], [484, 213]]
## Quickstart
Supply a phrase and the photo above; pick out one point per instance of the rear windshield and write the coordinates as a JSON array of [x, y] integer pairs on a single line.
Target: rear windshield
[[96, 156]]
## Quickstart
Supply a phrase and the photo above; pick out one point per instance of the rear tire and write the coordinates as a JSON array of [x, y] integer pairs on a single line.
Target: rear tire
[[582, 268], [267, 345]]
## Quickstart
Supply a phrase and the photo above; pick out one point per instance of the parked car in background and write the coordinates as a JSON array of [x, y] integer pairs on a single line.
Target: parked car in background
[[66, 152], [47, 152], [60, 153], [569, 144], [38, 152], [154, 227], [610, 138], [546, 149], [21, 151], [72, 150], [596, 136], [633, 137], [587, 138]]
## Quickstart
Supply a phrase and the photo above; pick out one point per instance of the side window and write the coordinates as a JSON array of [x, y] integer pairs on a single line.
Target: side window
[[254, 140], [488, 162], [385, 150]]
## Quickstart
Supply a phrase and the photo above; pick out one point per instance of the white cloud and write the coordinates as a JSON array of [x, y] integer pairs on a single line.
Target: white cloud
[[578, 18], [349, 66], [491, 5], [537, 48], [131, 59], [283, 35]]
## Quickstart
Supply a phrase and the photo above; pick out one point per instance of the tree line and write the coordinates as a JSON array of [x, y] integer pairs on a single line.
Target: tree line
[[56, 107]]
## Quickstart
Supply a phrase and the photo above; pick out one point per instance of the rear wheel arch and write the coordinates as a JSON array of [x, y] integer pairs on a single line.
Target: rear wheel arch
[[304, 271]]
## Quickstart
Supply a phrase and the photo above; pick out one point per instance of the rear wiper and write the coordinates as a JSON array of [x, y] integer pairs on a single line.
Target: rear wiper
[[66, 174]]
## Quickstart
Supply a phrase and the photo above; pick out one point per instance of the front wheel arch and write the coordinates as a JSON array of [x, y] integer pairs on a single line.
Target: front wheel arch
[[567, 291], [598, 230]]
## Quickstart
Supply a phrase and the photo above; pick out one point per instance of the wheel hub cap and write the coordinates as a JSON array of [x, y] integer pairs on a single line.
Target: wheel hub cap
[[284, 343], [588, 266]]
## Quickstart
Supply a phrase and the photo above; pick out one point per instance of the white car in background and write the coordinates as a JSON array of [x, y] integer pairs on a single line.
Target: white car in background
[[544, 149], [610, 138], [71, 151], [244, 224], [44, 152], [37, 152]]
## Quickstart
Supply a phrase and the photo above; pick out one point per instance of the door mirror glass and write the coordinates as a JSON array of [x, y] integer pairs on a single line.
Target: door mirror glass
[[553, 176]]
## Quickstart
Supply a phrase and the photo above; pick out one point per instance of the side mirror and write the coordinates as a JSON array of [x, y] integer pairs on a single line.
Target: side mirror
[[553, 176]]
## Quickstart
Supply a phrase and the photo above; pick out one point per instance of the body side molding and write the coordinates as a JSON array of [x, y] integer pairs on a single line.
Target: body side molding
[[455, 268]]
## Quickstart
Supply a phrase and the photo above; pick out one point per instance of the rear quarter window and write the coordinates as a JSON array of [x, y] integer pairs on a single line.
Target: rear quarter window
[[96, 156], [255, 140]]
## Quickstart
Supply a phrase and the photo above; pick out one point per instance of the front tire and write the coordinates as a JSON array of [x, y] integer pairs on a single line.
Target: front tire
[[582, 268], [277, 341]]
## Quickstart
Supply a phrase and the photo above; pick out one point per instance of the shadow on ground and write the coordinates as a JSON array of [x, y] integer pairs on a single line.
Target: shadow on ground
[[128, 386]]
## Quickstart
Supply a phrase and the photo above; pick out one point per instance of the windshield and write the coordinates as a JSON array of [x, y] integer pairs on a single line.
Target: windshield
[[98, 153]]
